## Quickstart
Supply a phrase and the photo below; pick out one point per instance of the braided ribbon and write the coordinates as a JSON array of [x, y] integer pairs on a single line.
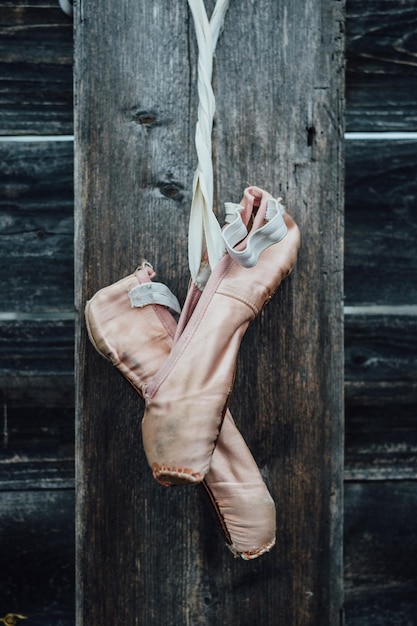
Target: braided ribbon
[[204, 235]]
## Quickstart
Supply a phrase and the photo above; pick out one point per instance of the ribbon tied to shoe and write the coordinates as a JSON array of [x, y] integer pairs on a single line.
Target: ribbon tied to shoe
[[258, 240], [207, 243], [154, 293], [204, 237]]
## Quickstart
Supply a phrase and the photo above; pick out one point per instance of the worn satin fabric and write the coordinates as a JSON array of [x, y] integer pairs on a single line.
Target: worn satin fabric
[[187, 398], [137, 342]]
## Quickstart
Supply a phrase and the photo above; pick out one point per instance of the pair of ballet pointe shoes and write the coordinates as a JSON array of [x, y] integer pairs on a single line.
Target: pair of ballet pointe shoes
[[185, 371]]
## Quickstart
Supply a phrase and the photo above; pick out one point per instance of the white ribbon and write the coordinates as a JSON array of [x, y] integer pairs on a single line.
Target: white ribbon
[[273, 231], [204, 233], [153, 293]]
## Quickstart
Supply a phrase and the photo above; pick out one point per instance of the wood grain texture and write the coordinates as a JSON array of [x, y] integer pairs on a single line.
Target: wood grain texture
[[280, 127], [379, 553], [381, 72], [36, 374], [36, 56], [37, 426], [36, 60], [381, 397], [37, 348], [381, 223], [381, 444], [36, 226], [380, 348], [36, 356]]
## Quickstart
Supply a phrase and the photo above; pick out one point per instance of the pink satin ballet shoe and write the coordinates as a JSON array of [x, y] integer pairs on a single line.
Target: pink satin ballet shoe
[[128, 326], [112, 324], [187, 398], [239, 496]]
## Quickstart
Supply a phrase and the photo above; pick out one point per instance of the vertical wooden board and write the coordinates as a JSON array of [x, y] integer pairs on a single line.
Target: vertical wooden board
[[280, 125], [135, 163], [148, 555]]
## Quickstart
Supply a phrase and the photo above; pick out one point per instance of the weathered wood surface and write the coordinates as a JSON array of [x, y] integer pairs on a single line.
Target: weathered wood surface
[[381, 443], [381, 72], [381, 397], [37, 400], [36, 373], [381, 223], [36, 226], [379, 553], [35, 363], [36, 370], [40, 349], [36, 64], [36, 59], [380, 348], [37, 437], [148, 555], [36, 553]]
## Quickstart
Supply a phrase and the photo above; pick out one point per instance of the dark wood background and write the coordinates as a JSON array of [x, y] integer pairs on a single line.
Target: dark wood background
[[37, 319], [153, 553]]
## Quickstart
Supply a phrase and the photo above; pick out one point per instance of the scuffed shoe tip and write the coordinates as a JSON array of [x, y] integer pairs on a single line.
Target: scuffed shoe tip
[[250, 554], [175, 476]]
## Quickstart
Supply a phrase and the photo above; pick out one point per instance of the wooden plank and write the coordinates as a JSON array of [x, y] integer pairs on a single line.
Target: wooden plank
[[36, 226], [36, 60], [380, 389], [37, 556], [37, 433], [36, 348], [36, 67], [50, 394], [37, 230], [37, 439], [379, 553], [381, 348], [381, 396], [37, 403], [381, 76], [381, 606], [380, 223], [148, 553], [378, 348], [381, 442], [26, 475]]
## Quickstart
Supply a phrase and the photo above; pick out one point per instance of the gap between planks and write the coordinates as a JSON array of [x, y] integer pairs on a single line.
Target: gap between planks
[[352, 136]]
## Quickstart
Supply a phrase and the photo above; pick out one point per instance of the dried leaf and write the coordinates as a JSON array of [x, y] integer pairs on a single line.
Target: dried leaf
[[11, 619]]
